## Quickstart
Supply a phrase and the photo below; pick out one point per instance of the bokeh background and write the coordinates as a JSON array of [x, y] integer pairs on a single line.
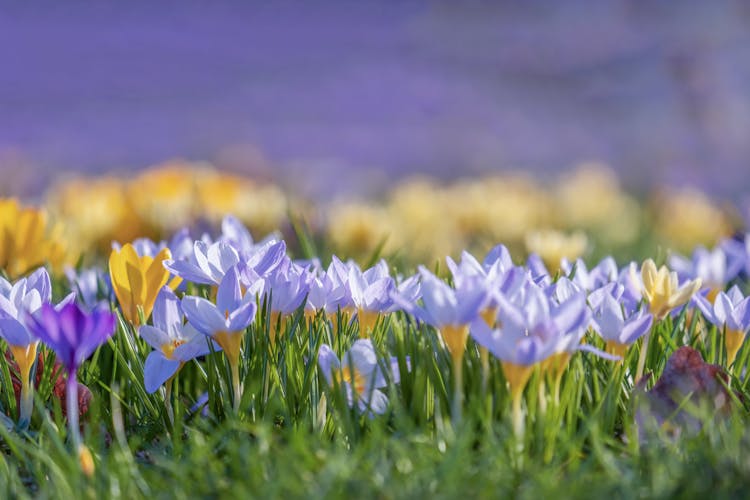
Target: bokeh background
[[338, 96], [332, 101]]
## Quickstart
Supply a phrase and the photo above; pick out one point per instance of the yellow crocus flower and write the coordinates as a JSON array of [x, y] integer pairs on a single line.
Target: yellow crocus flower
[[137, 280], [27, 240], [661, 290]]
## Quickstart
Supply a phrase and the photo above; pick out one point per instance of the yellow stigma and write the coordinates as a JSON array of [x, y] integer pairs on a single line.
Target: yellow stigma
[[352, 376], [169, 348]]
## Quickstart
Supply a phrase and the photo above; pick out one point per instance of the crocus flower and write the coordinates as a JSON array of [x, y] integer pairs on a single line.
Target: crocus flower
[[370, 292], [207, 264], [533, 329], [495, 274], [137, 280], [24, 297], [29, 240], [661, 291], [174, 341], [737, 251], [263, 257], [90, 286], [225, 322], [323, 296], [731, 312], [361, 375], [534, 332], [619, 325], [711, 267], [285, 290], [604, 272], [450, 311], [74, 334]]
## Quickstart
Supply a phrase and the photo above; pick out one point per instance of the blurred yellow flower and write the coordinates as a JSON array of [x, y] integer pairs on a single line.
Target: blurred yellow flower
[[137, 280], [356, 229], [165, 196], [27, 240], [552, 246], [687, 218], [590, 198], [261, 207], [96, 211]]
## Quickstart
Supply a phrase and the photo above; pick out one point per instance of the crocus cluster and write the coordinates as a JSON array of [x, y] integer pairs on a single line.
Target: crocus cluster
[[188, 299]]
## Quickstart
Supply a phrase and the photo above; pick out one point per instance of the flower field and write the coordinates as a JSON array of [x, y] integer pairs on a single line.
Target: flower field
[[188, 333]]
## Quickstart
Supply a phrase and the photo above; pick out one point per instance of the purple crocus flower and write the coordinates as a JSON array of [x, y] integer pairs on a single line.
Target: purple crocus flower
[[174, 341], [496, 274], [235, 233], [712, 267], [361, 376], [74, 334], [323, 295], [737, 251], [24, 297], [180, 245], [498, 256], [225, 322], [618, 322], [604, 272], [285, 290], [91, 286], [450, 311], [563, 289], [266, 257], [539, 273], [534, 329], [731, 312], [370, 292], [444, 305], [207, 264]]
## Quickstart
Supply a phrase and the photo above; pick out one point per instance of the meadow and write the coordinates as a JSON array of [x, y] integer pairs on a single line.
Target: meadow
[[192, 334]]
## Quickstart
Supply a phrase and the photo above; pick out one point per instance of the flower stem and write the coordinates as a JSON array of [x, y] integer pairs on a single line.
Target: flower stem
[[519, 426], [458, 389], [27, 401], [168, 399], [542, 395], [236, 385], [71, 391]]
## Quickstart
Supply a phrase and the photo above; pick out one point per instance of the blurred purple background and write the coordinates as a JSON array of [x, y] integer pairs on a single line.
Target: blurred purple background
[[328, 97]]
